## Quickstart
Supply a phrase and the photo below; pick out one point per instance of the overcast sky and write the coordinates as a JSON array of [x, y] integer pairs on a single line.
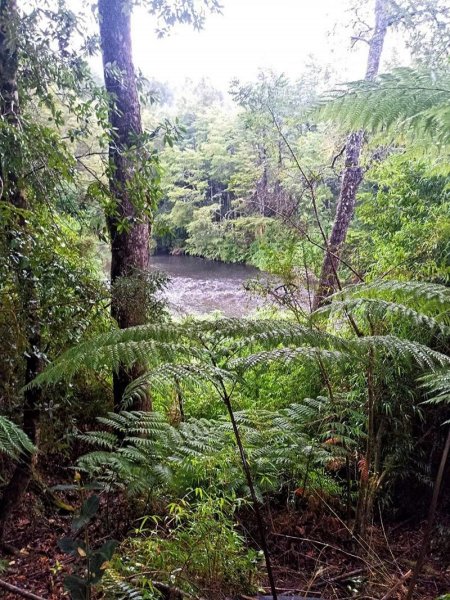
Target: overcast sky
[[249, 35]]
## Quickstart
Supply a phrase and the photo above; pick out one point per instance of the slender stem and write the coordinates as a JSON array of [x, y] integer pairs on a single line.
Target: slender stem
[[310, 185], [226, 397], [348, 488], [249, 478], [431, 515]]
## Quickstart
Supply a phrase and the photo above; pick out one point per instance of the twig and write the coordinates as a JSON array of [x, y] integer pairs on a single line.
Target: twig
[[393, 589], [338, 155], [18, 591]]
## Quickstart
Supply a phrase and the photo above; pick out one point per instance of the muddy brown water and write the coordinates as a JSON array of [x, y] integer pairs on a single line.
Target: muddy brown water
[[199, 286]]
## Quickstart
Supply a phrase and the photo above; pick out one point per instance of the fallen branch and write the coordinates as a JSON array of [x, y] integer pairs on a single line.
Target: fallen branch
[[341, 577], [393, 589], [41, 489], [295, 597], [169, 591], [18, 591]]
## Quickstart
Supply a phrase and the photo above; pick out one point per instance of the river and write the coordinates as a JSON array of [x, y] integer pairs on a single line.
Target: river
[[200, 286]]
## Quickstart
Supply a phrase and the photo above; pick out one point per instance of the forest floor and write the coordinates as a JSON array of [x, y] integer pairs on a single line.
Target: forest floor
[[314, 555]]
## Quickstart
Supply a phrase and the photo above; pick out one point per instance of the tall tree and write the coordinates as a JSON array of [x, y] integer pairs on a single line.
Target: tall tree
[[129, 229], [425, 24], [13, 194], [353, 171], [129, 223]]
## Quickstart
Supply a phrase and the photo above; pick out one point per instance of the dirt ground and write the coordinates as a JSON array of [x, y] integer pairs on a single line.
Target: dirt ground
[[313, 552]]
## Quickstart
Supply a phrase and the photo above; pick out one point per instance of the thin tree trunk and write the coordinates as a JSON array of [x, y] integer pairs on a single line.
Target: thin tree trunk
[[26, 284], [129, 246], [353, 173], [430, 522]]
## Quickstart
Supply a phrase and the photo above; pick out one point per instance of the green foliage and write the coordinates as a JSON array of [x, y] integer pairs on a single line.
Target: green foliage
[[72, 301], [402, 221], [236, 240], [96, 561], [437, 385], [13, 441], [144, 453], [196, 549], [402, 332], [230, 190], [405, 101], [324, 403]]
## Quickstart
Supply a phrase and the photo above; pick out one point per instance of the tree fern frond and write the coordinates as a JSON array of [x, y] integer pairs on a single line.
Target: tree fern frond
[[289, 334], [125, 352], [437, 385], [430, 297], [375, 308], [286, 355], [405, 99], [196, 374], [13, 441], [402, 349], [148, 343], [308, 410]]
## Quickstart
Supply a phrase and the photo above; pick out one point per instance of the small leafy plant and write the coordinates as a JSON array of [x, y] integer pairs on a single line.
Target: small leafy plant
[[94, 561], [196, 548]]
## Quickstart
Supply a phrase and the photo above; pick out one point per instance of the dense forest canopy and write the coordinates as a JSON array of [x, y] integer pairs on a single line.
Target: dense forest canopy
[[152, 448]]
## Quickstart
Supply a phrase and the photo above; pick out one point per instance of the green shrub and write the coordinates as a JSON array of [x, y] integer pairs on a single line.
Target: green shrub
[[196, 548]]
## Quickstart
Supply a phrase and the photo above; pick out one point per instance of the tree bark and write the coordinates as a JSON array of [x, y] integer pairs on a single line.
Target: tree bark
[[129, 246], [352, 175], [14, 194]]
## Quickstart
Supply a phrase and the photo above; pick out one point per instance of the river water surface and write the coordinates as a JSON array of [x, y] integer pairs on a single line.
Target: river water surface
[[199, 286]]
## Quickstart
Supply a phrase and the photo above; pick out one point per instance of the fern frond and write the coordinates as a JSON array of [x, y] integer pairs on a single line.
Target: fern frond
[[374, 308], [288, 334], [286, 355], [103, 439], [194, 375], [148, 344], [431, 298], [403, 350], [404, 100], [437, 385], [125, 352], [13, 441], [117, 589]]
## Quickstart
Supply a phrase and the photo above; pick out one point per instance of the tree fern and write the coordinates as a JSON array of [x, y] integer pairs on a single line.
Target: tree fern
[[142, 452], [419, 304], [153, 343], [196, 450]]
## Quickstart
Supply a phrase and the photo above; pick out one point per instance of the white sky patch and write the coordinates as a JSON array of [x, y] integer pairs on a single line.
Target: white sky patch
[[250, 35]]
